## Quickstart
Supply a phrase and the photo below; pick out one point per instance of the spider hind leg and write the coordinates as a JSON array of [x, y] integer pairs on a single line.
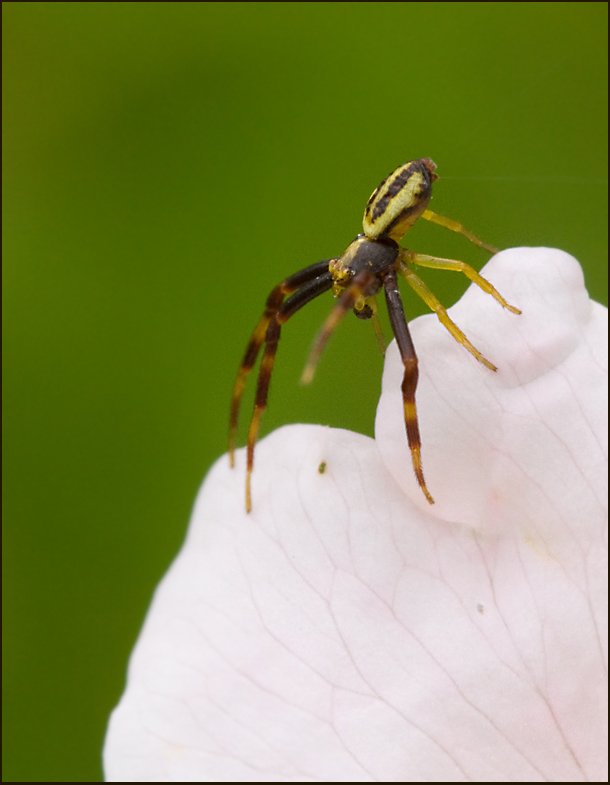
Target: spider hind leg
[[438, 263], [354, 290], [455, 226], [434, 304]]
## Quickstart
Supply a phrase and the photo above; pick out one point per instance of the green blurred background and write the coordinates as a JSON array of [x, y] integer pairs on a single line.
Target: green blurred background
[[166, 164]]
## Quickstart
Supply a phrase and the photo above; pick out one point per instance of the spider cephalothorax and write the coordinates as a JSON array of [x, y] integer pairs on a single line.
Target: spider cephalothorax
[[370, 263]]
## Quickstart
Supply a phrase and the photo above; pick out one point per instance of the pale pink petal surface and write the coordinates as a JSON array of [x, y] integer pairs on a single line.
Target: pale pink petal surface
[[348, 631]]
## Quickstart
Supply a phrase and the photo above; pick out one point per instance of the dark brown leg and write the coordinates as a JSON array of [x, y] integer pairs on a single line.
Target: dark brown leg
[[274, 301], [409, 381], [304, 295]]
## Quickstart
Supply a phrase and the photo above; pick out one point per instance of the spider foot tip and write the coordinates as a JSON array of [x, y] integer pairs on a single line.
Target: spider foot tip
[[307, 376], [427, 495], [487, 364]]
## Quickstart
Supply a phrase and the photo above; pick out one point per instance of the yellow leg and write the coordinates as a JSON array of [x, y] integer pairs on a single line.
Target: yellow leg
[[355, 289], [435, 218], [433, 303], [437, 263], [372, 303]]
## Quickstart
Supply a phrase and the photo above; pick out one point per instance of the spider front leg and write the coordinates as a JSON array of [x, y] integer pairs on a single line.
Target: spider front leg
[[410, 377], [274, 302], [304, 295]]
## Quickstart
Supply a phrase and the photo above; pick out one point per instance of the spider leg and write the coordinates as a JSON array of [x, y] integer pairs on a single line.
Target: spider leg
[[433, 303], [448, 223], [274, 302], [409, 380], [439, 263], [372, 303], [355, 289], [305, 294]]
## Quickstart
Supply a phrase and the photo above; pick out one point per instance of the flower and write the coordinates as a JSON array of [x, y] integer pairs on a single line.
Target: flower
[[346, 630]]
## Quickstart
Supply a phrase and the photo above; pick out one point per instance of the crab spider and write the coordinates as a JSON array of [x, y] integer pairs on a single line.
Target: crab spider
[[372, 262]]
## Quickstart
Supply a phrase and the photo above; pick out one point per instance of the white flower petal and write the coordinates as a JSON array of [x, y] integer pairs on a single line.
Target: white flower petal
[[347, 631]]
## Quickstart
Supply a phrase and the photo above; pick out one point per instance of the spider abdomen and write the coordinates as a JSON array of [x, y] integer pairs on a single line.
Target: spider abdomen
[[400, 200]]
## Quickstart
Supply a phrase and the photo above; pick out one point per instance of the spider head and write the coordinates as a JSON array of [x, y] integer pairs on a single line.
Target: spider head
[[399, 200]]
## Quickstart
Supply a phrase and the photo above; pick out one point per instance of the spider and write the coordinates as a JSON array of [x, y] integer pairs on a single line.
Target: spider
[[370, 263]]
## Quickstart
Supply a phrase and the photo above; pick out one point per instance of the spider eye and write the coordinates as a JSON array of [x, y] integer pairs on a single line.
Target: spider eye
[[400, 199]]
